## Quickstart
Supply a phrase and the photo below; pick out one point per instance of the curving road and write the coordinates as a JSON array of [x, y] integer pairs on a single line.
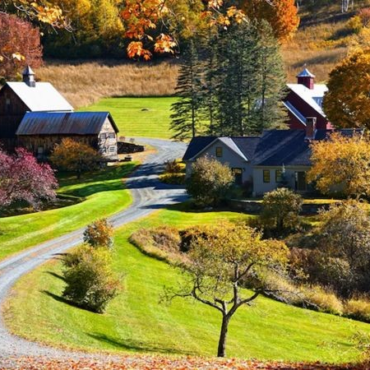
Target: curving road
[[148, 195]]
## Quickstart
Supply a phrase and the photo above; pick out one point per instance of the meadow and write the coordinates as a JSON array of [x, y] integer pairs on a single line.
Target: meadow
[[100, 193], [136, 321], [140, 117]]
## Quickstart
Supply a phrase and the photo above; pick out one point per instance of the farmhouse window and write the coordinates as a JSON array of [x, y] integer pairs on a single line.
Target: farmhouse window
[[112, 149], [266, 176], [103, 136], [111, 135], [278, 175], [219, 151]]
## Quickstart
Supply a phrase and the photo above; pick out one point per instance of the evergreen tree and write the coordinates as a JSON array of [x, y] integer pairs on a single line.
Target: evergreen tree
[[186, 116], [270, 111]]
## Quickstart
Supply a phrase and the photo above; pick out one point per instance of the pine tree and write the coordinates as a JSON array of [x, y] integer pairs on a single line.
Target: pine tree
[[186, 117], [270, 112]]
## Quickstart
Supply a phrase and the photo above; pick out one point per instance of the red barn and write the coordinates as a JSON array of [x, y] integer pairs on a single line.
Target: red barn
[[304, 100]]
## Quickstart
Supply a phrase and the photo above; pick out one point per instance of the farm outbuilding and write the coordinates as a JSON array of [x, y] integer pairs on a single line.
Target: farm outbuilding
[[40, 131]]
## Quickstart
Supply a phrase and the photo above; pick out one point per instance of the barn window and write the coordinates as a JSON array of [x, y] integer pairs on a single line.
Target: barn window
[[112, 149], [219, 151], [266, 176]]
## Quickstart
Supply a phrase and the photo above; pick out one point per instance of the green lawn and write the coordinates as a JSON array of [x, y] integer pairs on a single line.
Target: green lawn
[[135, 321], [103, 194], [145, 117]]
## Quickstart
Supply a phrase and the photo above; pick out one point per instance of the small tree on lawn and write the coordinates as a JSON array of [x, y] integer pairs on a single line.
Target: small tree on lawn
[[99, 234], [209, 181], [281, 208], [341, 164], [22, 178], [91, 284], [222, 260], [74, 156]]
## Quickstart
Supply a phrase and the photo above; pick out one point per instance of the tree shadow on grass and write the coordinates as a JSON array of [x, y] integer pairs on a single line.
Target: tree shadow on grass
[[138, 346], [60, 277], [63, 300]]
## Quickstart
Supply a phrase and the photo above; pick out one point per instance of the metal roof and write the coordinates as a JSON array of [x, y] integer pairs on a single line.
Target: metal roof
[[43, 97], [312, 97], [306, 73], [59, 123]]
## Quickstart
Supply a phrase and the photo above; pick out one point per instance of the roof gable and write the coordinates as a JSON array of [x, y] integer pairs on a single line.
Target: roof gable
[[313, 97], [59, 123], [43, 97]]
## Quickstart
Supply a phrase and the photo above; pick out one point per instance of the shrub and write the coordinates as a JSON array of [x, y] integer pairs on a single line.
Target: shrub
[[281, 208], [324, 300], [99, 234], [364, 15], [90, 281], [355, 24], [209, 182], [71, 155], [173, 167], [358, 309]]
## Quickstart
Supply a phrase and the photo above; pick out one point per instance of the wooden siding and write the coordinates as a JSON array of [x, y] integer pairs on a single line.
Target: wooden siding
[[12, 110]]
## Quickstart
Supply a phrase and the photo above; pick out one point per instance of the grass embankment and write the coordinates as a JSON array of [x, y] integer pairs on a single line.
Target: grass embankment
[[102, 193], [135, 321], [145, 117]]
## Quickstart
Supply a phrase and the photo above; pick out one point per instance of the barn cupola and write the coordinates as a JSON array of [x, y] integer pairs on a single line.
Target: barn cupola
[[29, 77], [307, 79]]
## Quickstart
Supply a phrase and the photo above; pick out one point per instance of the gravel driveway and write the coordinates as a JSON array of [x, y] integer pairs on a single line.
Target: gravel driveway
[[148, 195]]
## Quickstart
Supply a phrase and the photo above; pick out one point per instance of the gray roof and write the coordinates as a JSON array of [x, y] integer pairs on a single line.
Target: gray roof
[[273, 148], [43, 97], [306, 73], [242, 146], [59, 123]]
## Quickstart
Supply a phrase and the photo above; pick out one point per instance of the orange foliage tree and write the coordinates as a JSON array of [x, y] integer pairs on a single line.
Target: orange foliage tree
[[281, 14], [99, 234], [347, 103]]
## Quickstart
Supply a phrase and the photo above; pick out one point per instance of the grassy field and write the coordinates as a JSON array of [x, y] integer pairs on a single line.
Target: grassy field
[[136, 322], [103, 194], [145, 117]]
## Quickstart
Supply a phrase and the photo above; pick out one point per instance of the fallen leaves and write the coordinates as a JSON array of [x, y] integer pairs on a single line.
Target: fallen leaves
[[131, 362]]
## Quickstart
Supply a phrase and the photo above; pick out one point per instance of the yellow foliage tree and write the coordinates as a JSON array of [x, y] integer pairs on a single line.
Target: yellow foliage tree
[[341, 164], [347, 103]]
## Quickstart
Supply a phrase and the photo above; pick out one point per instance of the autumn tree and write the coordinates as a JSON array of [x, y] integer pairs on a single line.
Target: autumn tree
[[209, 181], [222, 260], [74, 156], [19, 45], [282, 15], [99, 234], [347, 103], [341, 164], [186, 117], [23, 179]]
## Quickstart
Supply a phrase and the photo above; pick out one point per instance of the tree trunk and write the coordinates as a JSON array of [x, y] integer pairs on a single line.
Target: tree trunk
[[223, 336]]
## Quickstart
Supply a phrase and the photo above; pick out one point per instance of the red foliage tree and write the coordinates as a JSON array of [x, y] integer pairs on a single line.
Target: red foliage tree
[[19, 45], [23, 178]]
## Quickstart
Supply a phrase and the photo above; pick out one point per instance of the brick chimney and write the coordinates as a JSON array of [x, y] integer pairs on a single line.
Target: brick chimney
[[307, 79], [310, 128], [29, 77]]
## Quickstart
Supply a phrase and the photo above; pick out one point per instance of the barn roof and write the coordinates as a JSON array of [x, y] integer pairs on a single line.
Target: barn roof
[[313, 97], [43, 97], [61, 123]]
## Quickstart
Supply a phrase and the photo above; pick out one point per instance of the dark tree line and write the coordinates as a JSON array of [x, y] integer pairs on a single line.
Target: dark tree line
[[231, 83]]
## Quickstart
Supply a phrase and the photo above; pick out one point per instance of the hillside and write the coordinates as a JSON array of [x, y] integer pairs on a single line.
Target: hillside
[[324, 38]]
